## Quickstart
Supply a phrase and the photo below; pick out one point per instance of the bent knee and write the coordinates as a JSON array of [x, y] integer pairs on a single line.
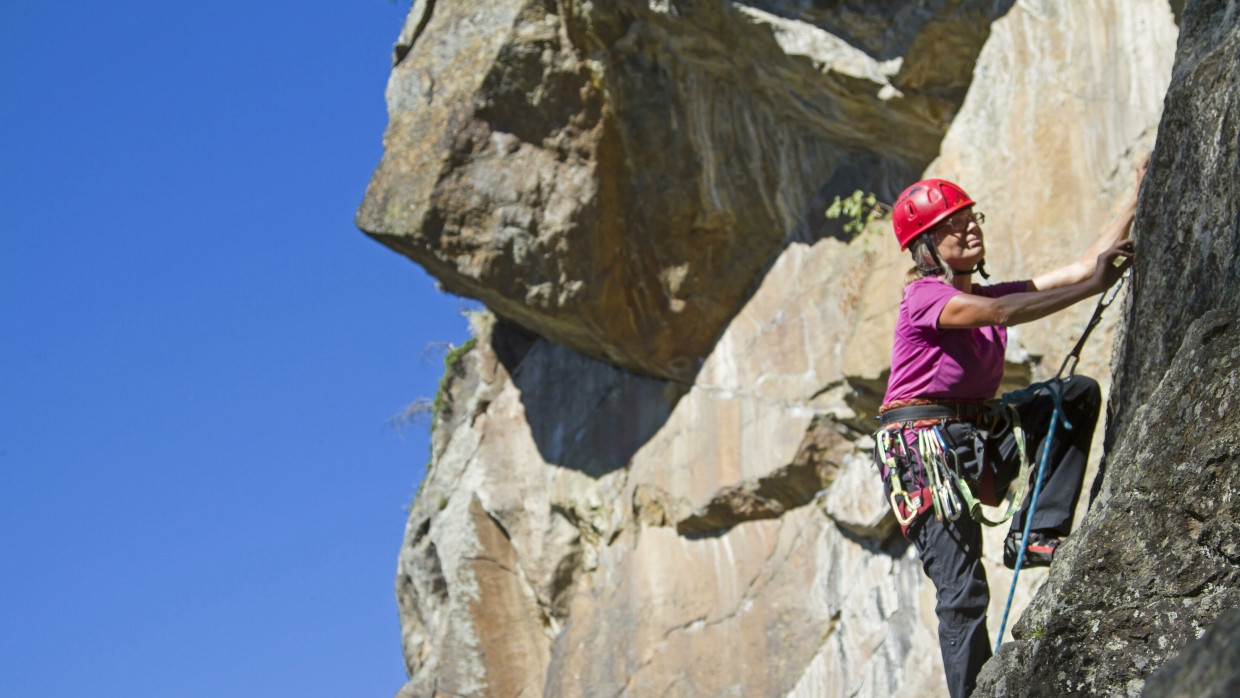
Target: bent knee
[[1084, 391]]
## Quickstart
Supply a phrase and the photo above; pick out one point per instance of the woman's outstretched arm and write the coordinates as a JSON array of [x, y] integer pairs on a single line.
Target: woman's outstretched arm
[[965, 311]]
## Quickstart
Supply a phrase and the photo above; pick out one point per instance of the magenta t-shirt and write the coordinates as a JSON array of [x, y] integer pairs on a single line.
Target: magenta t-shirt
[[927, 362]]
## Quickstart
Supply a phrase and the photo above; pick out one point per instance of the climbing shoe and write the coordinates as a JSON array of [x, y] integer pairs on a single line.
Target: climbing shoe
[[1038, 552]]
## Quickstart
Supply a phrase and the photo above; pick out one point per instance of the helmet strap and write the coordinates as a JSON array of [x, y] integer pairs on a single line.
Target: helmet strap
[[979, 268]]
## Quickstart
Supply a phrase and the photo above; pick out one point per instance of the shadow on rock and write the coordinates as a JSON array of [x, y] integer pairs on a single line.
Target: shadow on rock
[[583, 414], [884, 31]]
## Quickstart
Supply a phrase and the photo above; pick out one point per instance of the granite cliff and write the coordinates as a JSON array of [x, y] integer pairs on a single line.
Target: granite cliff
[[651, 472]]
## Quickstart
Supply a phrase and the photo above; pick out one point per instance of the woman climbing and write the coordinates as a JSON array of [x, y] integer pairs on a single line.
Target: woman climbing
[[945, 443]]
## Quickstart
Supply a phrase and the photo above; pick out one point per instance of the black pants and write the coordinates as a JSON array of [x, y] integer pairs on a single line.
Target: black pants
[[951, 551]]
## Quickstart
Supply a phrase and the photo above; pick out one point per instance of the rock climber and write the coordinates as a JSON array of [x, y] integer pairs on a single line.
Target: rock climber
[[943, 432]]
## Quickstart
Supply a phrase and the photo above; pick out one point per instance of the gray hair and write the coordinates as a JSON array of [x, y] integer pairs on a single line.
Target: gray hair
[[926, 261]]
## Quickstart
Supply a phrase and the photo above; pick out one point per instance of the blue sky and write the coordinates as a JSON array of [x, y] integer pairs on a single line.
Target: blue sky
[[200, 490]]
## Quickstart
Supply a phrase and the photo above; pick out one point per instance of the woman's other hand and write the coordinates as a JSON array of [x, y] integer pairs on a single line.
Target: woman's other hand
[[1112, 264]]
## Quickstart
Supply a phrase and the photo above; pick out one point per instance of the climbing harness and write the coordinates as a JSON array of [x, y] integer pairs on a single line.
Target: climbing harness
[[935, 466], [1055, 385]]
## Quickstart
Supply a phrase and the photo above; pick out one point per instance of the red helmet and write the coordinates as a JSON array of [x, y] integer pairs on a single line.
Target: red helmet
[[923, 205]]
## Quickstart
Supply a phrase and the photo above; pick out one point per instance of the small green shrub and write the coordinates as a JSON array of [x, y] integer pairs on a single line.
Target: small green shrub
[[858, 210], [423, 407], [440, 403]]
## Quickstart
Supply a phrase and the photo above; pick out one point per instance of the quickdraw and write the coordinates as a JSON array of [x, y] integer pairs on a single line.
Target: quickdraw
[[911, 504], [934, 460]]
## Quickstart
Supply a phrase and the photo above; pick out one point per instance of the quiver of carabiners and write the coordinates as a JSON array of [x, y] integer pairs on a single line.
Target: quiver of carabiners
[[949, 466]]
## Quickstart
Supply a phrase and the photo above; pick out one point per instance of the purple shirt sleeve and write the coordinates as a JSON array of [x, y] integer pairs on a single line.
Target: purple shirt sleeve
[[1002, 289], [925, 304]]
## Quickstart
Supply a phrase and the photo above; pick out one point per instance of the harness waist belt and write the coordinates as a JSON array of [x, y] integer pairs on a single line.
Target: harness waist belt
[[967, 412]]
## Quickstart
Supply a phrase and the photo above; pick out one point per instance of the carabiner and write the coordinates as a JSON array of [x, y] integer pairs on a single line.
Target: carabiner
[[910, 503]]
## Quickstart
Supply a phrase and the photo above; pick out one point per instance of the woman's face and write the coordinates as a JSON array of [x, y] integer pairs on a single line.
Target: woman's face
[[958, 239]]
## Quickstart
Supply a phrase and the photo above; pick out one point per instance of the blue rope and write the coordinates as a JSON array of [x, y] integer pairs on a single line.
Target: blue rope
[[1056, 417]]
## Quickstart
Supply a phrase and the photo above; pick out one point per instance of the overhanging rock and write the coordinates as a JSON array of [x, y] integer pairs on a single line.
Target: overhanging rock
[[616, 176]]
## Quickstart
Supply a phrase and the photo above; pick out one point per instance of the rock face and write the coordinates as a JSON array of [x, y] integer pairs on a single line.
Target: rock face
[[1207, 668], [615, 176], [1157, 561], [652, 475]]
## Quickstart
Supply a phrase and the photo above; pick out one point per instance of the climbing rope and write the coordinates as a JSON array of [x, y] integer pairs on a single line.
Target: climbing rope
[[1055, 387]]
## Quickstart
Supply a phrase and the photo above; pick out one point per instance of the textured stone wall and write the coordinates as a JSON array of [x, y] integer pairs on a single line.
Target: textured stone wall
[[1207, 668], [664, 538]]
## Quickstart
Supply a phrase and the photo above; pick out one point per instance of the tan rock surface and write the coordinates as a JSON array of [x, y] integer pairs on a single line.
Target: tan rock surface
[[783, 606], [583, 554]]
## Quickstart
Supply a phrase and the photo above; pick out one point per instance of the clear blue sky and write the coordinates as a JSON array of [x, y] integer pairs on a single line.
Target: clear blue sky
[[200, 492]]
